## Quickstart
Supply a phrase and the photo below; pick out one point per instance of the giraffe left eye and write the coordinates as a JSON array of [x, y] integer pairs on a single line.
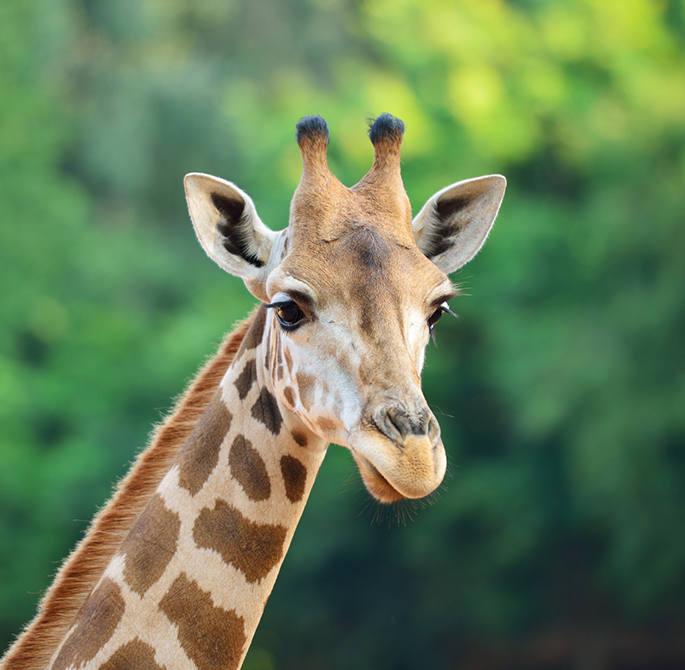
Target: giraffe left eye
[[434, 318], [289, 314]]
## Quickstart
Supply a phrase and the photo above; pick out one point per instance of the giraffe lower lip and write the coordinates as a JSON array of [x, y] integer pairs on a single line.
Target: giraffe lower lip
[[377, 485]]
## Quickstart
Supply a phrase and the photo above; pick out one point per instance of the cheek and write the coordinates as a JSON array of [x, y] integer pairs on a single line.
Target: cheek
[[418, 338], [284, 377], [317, 385], [420, 359]]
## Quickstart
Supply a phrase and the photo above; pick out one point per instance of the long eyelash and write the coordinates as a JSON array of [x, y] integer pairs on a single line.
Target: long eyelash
[[446, 310]]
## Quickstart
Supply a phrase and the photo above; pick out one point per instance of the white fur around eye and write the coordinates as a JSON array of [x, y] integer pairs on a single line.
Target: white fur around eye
[[281, 296]]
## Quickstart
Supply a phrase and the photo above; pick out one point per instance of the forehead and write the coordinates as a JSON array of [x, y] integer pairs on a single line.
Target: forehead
[[364, 266]]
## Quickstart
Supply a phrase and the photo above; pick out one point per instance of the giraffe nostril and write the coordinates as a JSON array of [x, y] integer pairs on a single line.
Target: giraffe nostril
[[393, 427], [398, 423], [433, 430]]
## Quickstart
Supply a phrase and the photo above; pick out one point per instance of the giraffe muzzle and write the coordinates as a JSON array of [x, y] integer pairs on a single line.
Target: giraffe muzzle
[[399, 453]]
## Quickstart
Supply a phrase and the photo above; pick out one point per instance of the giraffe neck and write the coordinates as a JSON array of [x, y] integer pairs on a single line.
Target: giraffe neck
[[188, 586]]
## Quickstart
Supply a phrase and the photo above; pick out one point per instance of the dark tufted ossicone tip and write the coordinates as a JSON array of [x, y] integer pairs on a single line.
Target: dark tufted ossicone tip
[[312, 128], [386, 127]]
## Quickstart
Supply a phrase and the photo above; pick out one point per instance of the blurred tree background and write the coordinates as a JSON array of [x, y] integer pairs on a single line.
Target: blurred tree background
[[559, 539]]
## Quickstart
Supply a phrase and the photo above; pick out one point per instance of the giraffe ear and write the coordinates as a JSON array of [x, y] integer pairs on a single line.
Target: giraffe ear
[[452, 226], [229, 229]]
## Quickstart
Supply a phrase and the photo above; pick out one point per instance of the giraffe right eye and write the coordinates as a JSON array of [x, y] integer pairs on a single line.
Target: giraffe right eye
[[289, 314]]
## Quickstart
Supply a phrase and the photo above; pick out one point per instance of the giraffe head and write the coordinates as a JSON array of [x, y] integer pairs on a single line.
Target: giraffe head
[[354, 288]]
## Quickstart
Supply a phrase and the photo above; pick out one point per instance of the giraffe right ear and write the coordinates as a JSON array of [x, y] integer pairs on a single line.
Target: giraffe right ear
[[452, 226], [229, 229]]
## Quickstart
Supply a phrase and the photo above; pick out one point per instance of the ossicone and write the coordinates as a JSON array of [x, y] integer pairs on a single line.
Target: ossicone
[[312, 129], [386, 135], [312, 138], [386, 128]]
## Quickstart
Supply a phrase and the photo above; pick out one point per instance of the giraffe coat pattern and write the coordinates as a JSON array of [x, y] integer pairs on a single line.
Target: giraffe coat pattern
[[176, 570]]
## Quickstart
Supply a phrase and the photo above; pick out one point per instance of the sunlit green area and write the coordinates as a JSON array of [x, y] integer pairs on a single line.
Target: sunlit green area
[[558, 540]]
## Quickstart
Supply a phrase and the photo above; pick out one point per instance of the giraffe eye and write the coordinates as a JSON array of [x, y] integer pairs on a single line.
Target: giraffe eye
[[434, 317], [289, 314]]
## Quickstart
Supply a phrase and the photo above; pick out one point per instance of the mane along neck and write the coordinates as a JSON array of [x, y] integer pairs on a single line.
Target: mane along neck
[[84, 567]]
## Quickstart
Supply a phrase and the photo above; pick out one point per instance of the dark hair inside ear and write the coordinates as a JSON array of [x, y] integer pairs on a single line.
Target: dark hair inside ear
[[445, 227], [450, 206], [233, 228]]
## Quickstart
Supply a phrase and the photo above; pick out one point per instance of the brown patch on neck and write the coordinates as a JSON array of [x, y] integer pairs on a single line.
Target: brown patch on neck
[[134, 654], [253, 548], [84, 567], [246, 379], [294, 477], [254, 330], [99, 619], [248, 469], [300, 438], [265, 410], [200, 453], [150, 545], [211, 637]]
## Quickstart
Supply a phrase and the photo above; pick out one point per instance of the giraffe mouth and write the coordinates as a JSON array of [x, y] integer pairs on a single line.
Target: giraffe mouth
[[392, 471], [376, 484]]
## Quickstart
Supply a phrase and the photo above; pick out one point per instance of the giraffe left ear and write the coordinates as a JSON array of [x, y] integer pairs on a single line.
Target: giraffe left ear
[[229, 229], [452, 226]]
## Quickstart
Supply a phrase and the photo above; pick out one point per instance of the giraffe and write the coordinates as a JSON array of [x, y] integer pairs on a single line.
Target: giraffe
[[175, 571]]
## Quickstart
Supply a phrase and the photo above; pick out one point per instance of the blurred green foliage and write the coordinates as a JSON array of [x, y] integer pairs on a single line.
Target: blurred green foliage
[[560, 391]]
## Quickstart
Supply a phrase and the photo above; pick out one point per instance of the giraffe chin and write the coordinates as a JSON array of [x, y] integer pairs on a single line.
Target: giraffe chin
[[392, 472], [376, 484]]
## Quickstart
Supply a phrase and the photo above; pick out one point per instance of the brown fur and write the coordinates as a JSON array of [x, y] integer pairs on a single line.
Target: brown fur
[[84, 567]]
